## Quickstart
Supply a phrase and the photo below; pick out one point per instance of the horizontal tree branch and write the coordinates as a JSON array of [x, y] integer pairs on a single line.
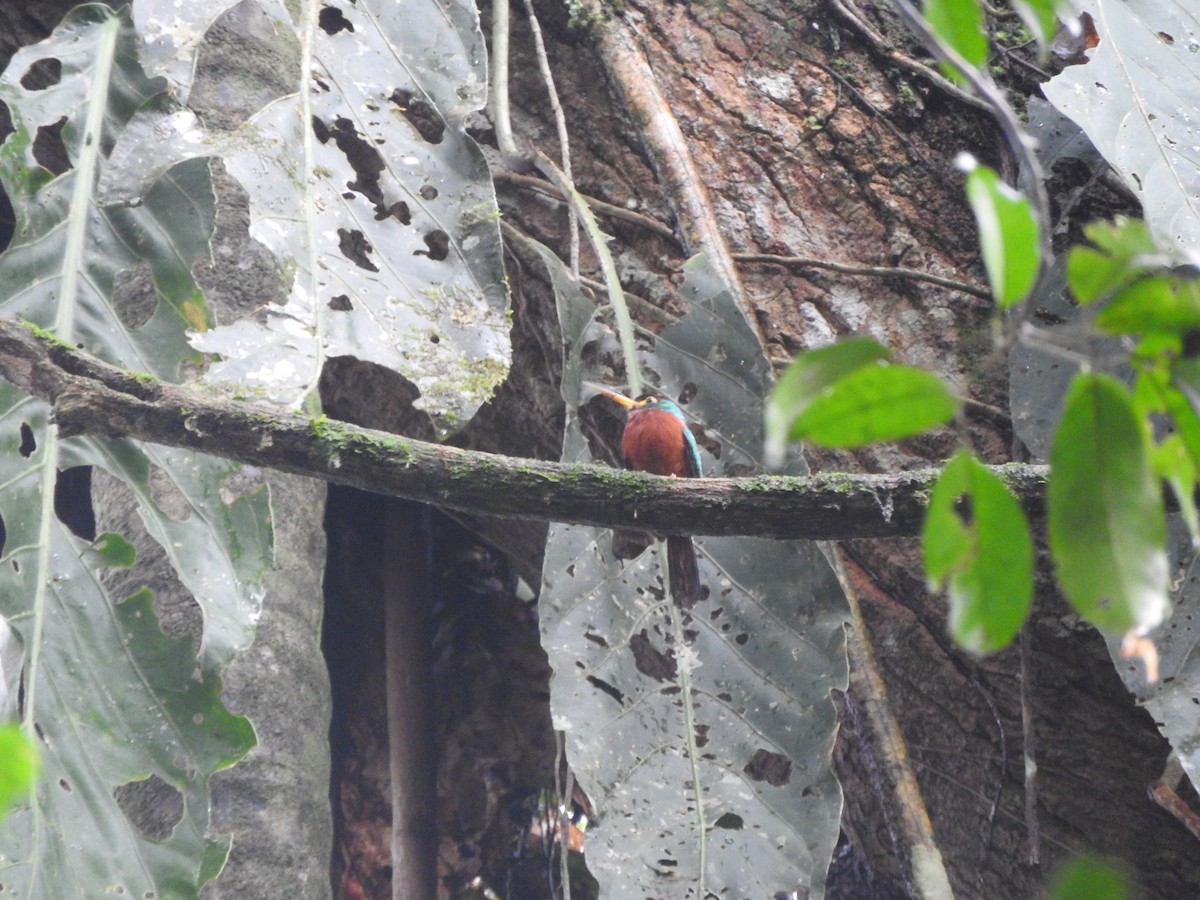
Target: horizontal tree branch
[[89, 397]]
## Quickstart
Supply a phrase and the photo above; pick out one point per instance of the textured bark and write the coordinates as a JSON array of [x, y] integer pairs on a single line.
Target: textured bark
[[812, 139]]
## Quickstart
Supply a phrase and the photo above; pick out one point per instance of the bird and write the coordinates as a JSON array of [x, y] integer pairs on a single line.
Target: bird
[[657, 439]]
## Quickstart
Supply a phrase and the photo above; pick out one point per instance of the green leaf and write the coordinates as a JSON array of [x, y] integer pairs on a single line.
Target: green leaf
[[805, 379], [1105, 512], [1089, 879], [1176, 466], [113, 550], [976, 542], [1123, 250], [875, 403], [19, 765], [1154, 304], [960, 24], [1008, 235], [1041, 16]]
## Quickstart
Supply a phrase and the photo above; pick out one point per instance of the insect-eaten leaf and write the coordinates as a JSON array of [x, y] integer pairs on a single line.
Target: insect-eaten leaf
[[1008, 233], [1105, 514], [977, 547], [845, 396], [1176, 466]]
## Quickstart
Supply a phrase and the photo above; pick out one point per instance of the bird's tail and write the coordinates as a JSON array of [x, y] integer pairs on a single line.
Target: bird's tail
[[683, 571]]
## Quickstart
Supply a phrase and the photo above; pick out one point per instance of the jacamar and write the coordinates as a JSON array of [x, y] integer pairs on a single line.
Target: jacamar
[[657, 439]]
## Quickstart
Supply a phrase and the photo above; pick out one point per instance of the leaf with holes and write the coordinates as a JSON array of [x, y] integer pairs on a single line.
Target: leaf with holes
[[1136, 99], [379, 208], [112, 699], [976, 545], [171, 36], [702, 735]]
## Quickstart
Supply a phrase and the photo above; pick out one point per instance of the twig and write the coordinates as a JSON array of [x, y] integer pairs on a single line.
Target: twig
[[600, 206], [560, 123], [1163, 793], [673, 163], [1017, 58], [914, 151], [90, 397], [1032, 828], [999, 13], [794, 262], [905, 62], [498, 101], [563, 793], [812, 262], [1020, 144], [612, 282]]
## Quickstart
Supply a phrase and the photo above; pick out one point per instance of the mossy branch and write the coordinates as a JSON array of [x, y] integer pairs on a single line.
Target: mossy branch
[[92, 398]]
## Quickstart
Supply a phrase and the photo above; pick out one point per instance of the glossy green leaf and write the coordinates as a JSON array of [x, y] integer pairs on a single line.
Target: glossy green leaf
[[19, 765], [977, 546], [1176, 466], [1156, 390], [113, 550], [1123, 250], [1154, 304], [1008, 235], [805, 379], [960, 24], [1041, 16], [1089, 879], [875, 403], [1106, 522]]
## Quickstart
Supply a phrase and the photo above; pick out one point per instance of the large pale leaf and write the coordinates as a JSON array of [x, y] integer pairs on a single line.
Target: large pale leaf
[[1137, 99], [703, 736], [112, 698], [171, 34], [1174, 699], [378, 207]]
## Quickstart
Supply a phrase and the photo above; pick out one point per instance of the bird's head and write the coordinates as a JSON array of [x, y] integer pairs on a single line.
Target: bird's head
[[646, 401]]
